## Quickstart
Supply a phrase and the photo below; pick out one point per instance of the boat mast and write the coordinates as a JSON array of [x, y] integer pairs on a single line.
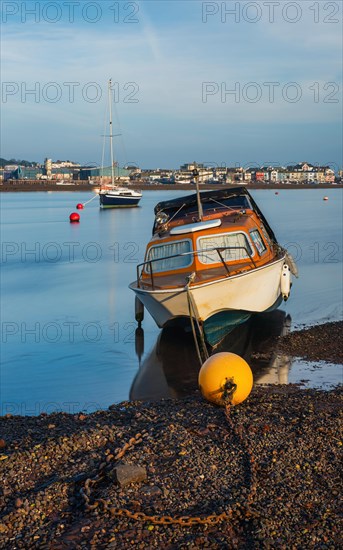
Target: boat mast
[[196, 177], [111, 133]]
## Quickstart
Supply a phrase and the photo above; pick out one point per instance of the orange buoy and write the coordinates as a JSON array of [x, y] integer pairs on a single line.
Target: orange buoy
[[79, 206], [225, 377], [74, 217]]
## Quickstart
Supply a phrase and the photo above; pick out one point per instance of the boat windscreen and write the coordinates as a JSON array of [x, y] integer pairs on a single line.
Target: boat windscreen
[[206, 196], [237, 198], [236, 203]]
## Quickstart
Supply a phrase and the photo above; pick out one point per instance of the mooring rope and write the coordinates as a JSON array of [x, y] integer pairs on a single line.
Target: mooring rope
[[90, 200], [193, 315]]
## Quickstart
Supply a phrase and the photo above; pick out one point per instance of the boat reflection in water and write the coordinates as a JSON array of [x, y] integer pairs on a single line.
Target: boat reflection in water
[[171, 369]]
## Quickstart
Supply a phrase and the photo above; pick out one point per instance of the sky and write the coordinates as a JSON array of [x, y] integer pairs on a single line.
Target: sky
[[222, 83]]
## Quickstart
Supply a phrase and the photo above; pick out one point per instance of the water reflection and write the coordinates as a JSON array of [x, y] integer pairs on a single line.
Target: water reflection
[[87, 286], [171, 369]]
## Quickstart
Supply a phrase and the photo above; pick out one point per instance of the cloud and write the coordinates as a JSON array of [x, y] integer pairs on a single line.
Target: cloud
[[161, 66]]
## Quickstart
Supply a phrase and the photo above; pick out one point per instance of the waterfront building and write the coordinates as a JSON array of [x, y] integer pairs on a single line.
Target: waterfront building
[[97, 174], [65, 164], [22, 172], [189, 167]]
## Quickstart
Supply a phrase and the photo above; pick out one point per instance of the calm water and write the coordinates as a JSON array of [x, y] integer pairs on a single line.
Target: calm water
[[67, 315]]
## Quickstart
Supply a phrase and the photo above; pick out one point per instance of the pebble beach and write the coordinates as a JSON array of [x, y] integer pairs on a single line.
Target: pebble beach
[[263, 474]]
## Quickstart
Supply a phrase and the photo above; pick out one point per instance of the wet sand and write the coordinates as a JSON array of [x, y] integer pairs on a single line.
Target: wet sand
[[270, 470]]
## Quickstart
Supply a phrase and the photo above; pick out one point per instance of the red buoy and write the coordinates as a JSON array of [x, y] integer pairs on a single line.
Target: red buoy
[[74, 217], [79, 206]]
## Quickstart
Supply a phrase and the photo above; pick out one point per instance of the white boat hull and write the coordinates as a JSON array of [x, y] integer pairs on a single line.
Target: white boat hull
[[253, 291]]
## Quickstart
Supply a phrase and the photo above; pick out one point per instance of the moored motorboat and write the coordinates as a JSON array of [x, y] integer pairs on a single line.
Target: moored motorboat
[[214, 258]]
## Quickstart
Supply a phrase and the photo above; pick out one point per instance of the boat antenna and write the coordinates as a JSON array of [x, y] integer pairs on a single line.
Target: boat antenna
[[196, 178]]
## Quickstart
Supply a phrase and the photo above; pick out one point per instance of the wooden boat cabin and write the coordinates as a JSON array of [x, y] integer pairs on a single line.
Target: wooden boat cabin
[[230, 236]]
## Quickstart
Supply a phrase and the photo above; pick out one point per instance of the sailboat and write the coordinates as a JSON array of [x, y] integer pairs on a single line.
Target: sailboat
[[213, 258], [114, 196]]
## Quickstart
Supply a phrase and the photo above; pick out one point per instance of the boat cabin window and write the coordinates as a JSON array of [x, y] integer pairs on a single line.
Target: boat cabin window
[[238, 248], [258, 242], [161, 256], [265, 234]]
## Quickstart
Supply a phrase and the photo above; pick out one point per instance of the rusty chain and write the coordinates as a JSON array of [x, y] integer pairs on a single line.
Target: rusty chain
[[184, 521]]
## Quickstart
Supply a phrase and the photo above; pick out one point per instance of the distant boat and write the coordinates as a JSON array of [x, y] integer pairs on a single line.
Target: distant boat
[[183, 181], [214, 181], [213, 258], [167, 180], [114, 196]]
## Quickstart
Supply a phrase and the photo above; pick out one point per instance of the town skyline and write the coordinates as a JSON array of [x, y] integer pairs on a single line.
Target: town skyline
[[72, 163], [68, 171]]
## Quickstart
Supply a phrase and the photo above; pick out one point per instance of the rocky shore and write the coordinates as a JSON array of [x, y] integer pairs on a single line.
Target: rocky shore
[[264, 474], [318, 343]]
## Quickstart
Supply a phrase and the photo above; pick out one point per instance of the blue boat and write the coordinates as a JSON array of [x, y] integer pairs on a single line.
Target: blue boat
[[119, 197]]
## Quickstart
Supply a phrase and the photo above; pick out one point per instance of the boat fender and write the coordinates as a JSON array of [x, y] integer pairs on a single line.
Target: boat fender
[[292, 265], [285, 282], [139, 311]]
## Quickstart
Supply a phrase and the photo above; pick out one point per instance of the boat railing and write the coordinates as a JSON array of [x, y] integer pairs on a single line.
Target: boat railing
[[218, 249]]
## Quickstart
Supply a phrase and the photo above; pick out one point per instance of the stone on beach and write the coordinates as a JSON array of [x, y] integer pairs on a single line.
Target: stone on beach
[[125, 474]]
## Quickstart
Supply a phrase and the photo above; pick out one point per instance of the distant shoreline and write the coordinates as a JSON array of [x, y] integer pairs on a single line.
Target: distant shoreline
[[83, 186]]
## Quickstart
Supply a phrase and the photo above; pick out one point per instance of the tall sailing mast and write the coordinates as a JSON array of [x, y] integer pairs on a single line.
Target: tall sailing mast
[[111, 133]]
